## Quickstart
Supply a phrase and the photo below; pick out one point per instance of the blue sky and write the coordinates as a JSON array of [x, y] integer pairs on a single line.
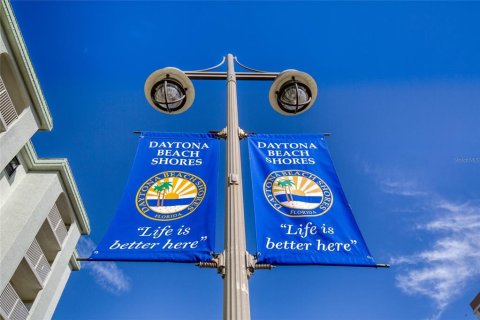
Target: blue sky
[[399, 88]]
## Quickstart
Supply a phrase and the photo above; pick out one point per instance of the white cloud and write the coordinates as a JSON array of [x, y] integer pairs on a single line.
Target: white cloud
[[402, 187], [451, 260], [395, 182], [106, 274], [444, 269]]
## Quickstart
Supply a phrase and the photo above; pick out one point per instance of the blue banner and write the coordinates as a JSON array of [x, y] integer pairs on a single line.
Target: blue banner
[[301, 213], [167, 211]]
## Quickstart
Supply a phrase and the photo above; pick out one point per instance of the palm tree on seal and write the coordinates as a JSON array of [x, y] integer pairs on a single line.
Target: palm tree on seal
[[286, 185], [158, 189], [166, 185]]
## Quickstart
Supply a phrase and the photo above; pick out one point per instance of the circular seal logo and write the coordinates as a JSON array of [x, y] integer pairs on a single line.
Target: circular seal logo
[[170, 195], [297, 193]]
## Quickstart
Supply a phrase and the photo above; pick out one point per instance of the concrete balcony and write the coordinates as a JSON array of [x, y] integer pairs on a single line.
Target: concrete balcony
[[21, 221], [11, 306], [29, 279], [8, 114], [52, 234], [56, 223], [38, 262], [18, 133]]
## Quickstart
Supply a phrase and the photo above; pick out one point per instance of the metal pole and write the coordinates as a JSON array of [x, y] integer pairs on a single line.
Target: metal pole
[[236, 302]]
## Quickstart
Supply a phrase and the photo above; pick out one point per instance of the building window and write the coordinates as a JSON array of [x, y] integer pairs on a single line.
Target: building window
[[12, 166]]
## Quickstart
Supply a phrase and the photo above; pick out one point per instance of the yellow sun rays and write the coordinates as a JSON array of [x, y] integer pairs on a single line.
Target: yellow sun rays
[[181, 188], [303, 186]]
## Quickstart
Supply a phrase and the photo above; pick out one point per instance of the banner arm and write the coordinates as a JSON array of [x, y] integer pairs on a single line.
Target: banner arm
[[83, 259], [378, 265]]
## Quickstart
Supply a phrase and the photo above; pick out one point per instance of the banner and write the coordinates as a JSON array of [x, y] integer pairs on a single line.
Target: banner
[[301, 213], [167, 211]]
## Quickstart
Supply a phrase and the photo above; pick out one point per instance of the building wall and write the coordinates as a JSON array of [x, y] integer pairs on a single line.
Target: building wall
[[41, 211], [475, 304]]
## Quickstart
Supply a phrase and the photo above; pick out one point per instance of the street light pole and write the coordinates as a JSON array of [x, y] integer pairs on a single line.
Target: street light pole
[[236, 304], [169, 90]]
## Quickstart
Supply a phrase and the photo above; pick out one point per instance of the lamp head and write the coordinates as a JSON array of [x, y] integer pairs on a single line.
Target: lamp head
[[169, 90], [293, 92]]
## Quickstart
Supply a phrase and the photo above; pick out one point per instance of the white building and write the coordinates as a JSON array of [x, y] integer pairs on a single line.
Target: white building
[[41, 212], [475, 304]]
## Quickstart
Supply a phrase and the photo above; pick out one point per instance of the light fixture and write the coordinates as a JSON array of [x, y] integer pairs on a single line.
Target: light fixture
[[293, 92], [169, 90]]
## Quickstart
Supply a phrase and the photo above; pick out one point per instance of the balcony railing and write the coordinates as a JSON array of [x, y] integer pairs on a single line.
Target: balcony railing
[[37, 261], [11, 305], [8, 114], [56, 223]]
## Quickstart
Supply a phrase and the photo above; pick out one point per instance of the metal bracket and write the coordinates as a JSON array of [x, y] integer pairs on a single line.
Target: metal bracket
[[218, 262], [242, 134], [250, 262], [221, 264], [252, 265], [221, 134], [233, 179]]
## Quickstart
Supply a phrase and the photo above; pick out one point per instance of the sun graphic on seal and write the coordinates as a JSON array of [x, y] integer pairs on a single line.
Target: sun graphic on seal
[[170, 195], [297, 192]]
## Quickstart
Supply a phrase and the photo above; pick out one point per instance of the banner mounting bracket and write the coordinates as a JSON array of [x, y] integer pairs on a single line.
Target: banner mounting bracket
[[242, 134], [232, 179], [252, 265], [218, 262], [221, 134]]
